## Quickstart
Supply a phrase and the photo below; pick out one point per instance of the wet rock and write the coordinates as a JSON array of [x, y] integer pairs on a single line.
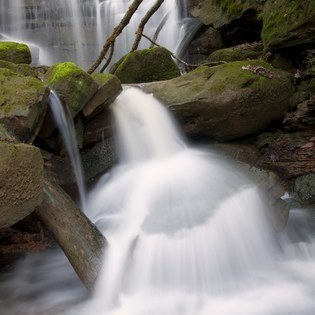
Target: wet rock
[[15, 52], [23, 102], [74, 86], [227, 101], [21, 181], [147, 65]]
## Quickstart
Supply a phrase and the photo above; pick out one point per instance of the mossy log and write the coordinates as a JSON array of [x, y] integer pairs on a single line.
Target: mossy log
[[80, 240]]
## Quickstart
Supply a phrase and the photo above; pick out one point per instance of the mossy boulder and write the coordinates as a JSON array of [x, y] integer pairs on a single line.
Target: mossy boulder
[[238, 53], [15, 52], [109, 89], [220, 12], [288, 24], [74, 86], [227, 101], [23, 103], [147, 65], [21, 181]]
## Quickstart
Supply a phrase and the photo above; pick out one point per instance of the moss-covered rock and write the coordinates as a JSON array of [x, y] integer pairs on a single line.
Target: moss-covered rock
[[238, 53], [288, 24], [227, 101], [147, 65], [73, 85], [221, 12], [21, 181], [15, 52], [22, 68], [22, 104], [109, 89]]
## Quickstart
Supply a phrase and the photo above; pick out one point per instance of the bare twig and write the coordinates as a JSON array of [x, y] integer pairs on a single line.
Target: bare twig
[[143, 22], [111, 53], [116, 32]]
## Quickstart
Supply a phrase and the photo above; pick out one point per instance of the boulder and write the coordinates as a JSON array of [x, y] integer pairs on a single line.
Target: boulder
[[74, 86], [22, 104], [147, 65], [109, 89], [21, 181], [288, 24], [15, 52], [219, 13], [227, 101]]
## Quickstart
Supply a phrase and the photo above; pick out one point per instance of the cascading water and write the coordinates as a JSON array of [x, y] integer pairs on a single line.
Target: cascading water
[[76, 30], [187, 234], [67, 130]]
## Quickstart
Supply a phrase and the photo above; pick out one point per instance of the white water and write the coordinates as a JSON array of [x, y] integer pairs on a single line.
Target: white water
[[66, 128], [76, 30], [187, 235]]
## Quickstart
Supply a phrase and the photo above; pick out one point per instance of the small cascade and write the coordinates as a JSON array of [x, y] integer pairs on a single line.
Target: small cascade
[[67, 130], [187, 235], [76, 30], [187, 231]]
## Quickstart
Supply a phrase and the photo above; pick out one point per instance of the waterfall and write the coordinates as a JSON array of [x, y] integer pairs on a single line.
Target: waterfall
[[66, 128], [188, 232], [76, 30], [187, 235]]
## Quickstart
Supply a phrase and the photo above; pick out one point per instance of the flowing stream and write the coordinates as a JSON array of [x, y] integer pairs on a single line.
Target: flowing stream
[[188, 235]]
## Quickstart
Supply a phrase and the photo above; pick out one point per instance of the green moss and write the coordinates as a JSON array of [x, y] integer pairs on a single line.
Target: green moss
[[61, 71], [282, 17], [147, 65], [18, 93], [15, 52], [22, 69], [235, 54], [73, 85], [231, 7]]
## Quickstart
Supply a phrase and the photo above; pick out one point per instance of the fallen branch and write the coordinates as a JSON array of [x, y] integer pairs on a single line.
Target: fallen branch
[[116, 32], [143, 22], [80, 240]]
